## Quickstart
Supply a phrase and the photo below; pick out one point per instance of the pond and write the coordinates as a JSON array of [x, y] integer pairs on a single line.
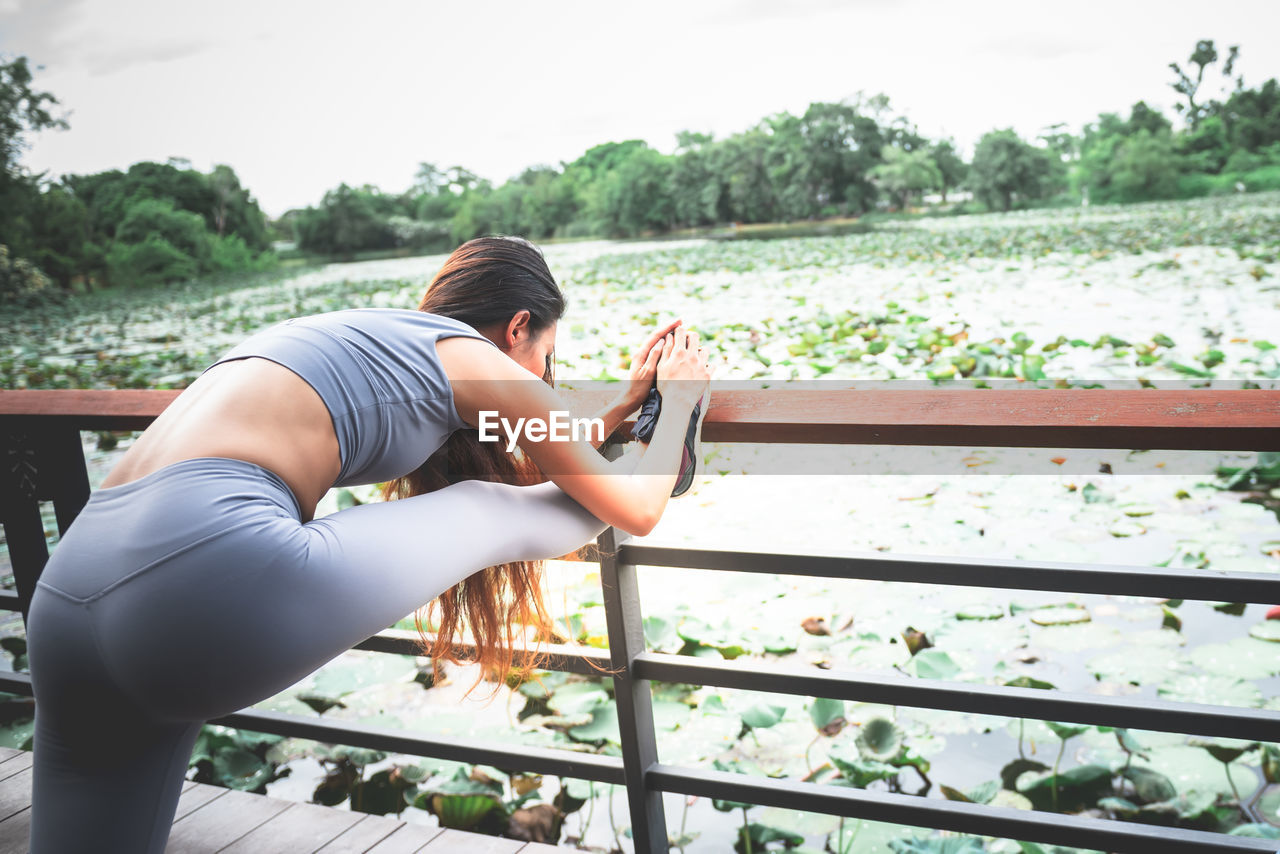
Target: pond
[[1166, 294]]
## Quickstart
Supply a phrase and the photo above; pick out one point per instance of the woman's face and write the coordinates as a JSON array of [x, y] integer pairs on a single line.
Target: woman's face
[[533, 353]]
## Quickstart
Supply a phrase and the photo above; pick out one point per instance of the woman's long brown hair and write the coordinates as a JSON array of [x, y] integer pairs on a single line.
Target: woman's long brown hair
[[487, 281]]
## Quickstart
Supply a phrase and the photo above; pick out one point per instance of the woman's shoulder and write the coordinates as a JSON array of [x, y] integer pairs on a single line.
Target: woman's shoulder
[[374, 318]]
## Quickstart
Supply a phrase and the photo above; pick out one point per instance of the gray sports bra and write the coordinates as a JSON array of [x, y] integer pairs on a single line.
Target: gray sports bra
[[377, 371]]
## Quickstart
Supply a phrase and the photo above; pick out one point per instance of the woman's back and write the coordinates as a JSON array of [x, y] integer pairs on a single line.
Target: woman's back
[[355, 396]]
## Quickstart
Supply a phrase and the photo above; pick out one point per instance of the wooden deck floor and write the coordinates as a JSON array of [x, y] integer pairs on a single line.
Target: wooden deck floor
[[213, 819]]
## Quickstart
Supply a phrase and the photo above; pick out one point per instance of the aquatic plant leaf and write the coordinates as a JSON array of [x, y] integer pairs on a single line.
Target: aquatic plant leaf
[[1150, 785], [879, 739], [860, 772], [933, 664], [240, 769], [761, 715]]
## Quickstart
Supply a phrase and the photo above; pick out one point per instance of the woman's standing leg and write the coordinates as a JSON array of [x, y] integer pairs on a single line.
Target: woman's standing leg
[[105, 775]]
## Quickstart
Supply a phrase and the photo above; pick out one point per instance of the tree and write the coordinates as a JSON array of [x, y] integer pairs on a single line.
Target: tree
[[740, 163], [430, 179], [234, 211], [906, 173], [1202, 57], [1006, 169], [1142, 117], [951, 169], [1252, 116], [696, 190], [23, 111], [347, 221], [1145, 168], [634, 197], [64, 248]]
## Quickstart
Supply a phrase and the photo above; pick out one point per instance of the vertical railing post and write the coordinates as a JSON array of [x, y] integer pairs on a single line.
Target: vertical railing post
[[41, 462], [68, 483], [633, 696]]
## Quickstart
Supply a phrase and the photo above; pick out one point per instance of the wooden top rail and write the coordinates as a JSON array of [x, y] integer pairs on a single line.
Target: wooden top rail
[[1207, 419]]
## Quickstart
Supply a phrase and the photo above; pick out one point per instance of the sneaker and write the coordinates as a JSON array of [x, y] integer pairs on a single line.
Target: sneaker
[[689, 456]]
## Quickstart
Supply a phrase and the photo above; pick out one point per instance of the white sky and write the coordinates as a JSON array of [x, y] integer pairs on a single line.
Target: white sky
[[300, 96]]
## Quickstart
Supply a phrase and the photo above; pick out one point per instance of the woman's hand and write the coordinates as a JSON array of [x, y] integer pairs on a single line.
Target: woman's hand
[[644, 367], [683, 371]]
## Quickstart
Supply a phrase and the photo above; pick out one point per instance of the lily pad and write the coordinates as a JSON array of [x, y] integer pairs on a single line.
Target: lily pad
[[1059, 616], [1211, 690], [1077, 637], [349, 673], [1267, 630], [859, 836], [980, 611], [933, 664], [603, 726], [1224, 750], [1242, 658], [705, 734], [1126, 528], [981, 636], [577, 697]]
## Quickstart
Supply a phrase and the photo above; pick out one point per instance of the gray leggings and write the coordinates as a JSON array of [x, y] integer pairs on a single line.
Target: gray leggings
[[196, 591]]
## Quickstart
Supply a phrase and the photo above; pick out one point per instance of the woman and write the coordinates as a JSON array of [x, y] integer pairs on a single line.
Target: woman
[[196, 581]]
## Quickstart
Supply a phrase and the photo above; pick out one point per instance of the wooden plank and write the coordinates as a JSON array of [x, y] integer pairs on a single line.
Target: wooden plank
[[409, 838], [221, 822], [196, 796], [1188, 419], [361, 836], [16, 764], [458, 842], [15, 832], [540, 848], [91, 409], [301, 827], [15, 793], [7, 753]]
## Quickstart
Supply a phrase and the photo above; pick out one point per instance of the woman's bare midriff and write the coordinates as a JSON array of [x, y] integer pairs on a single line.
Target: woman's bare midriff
[[247, 409]]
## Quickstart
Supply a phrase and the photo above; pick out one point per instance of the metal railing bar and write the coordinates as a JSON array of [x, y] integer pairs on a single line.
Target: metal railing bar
[[538, 760], [1029, 703], [16, 682], [566, 763], [565, 658], [1200, 584], [516, 757], [1027, 825], [633, 695]]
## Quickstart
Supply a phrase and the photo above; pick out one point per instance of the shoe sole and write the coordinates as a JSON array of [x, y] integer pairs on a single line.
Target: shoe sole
[[688, 459]]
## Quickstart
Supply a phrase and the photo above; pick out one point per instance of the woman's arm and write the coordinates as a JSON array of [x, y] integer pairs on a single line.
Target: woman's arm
[[487, 381], [613, 415], [642, 374]]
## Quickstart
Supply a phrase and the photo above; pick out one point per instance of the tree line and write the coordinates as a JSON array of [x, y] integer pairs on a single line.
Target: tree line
[[167, 222]]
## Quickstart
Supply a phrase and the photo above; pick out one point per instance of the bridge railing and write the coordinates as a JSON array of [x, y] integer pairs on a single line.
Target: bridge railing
[[44, 461]]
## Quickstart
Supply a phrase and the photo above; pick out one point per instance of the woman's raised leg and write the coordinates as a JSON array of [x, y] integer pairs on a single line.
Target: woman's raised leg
[[273, 601]]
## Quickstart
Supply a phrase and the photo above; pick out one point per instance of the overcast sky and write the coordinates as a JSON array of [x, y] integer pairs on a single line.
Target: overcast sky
[[300, 96]]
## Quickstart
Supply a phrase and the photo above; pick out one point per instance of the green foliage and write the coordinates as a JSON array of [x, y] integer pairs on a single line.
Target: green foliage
[[347, 220], [908, 173], [1144, 168], [1007, 170], [20, 280], [153, 261]]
